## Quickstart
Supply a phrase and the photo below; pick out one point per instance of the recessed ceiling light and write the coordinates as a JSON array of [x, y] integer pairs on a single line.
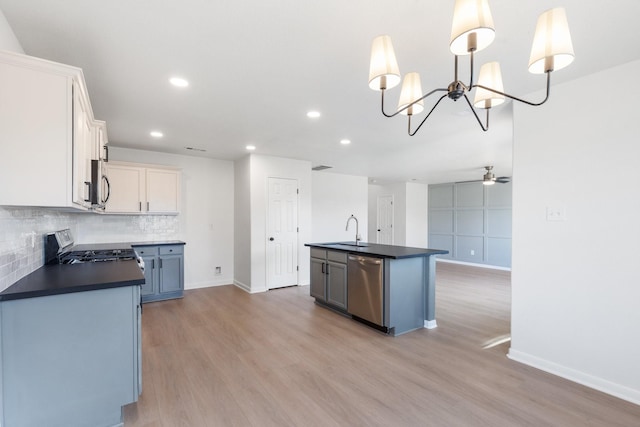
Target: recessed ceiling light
[[250, 147], [313, 114], [156, 134], [345, 141], [178, 82]]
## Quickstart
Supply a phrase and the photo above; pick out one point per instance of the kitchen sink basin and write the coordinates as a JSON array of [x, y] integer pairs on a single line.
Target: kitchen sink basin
[[360, 245]]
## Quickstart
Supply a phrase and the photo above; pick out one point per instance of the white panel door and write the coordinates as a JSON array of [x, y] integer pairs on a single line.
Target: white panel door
[[282, 233], [385, 220]]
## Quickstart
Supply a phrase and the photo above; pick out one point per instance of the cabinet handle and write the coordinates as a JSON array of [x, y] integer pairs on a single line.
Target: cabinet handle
[[106, 154], [88, 184], [160, 262], [327, 269], [147, 206], [323, 268], [153, 264], [140, 206]]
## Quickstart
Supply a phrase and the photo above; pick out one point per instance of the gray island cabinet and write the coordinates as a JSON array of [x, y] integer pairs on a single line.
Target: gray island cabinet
[[329, 277], [391, 288], [71, 345]]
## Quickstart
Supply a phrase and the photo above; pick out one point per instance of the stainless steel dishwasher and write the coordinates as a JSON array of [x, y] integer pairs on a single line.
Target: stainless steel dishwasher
[[365, 293]]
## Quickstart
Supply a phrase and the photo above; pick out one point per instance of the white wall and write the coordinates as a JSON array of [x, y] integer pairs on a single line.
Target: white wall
[[576, 283], [409, 212], [335, 197], [206, 220], [242, 223], [8, 40], [260, 169], [416, 215]]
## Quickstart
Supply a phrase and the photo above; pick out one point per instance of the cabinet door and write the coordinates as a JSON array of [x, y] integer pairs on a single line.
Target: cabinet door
[[82, 149], [337, 284], [150, 286], [101, 141], [35, 130], [171, 273], [163, 190], [318, 278], [127, 187]]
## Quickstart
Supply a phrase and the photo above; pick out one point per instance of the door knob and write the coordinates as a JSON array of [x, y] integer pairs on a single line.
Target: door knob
[[271, 239]]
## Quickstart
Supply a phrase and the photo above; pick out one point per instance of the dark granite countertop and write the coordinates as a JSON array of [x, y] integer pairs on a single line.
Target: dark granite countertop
[[67, 278], [375, 249], [158, 243], [122, 245]]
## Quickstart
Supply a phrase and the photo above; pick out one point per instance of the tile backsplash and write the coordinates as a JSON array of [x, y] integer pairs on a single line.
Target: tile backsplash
[[22, 233]]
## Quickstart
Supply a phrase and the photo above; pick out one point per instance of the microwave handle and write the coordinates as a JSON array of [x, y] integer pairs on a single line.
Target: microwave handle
[[106, 180]]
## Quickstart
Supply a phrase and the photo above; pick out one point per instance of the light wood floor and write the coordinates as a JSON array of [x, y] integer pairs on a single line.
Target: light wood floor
[[222, 357]]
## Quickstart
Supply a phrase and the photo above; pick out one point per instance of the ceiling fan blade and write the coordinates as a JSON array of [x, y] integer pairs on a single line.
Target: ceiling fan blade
[[464, 182]]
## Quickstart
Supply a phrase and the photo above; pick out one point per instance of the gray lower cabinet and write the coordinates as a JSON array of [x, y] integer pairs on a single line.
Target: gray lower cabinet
[[70, 360], [163, 272], [329, 277]]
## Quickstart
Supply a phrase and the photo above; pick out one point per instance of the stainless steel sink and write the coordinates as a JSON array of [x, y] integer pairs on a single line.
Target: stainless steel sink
[[359, 245]]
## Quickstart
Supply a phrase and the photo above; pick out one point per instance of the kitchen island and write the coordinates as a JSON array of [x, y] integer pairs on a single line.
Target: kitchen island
[[70, 340], [391, 288]]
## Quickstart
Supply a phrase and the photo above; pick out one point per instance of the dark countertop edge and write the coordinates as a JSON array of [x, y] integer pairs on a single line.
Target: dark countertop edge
[[59, 279], [158, 243], [70, 290], [382, 251]]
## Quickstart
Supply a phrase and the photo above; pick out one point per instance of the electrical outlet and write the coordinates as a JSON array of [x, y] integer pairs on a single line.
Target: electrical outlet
[[473, 252], [218, 270], [556, 213]]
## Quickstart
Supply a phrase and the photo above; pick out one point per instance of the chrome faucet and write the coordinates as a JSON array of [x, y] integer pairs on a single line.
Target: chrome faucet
[[347, 228]]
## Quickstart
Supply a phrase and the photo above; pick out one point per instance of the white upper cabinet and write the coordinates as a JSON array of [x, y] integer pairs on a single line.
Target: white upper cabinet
[[163, 190], [143, 189], [45, 133]]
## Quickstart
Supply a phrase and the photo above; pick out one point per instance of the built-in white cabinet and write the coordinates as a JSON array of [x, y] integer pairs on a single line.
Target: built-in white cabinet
[[146, 189], [46, 138], [99, 133]]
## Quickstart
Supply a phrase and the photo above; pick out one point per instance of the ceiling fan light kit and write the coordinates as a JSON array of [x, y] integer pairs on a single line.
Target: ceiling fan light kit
[[472, 30], [489, 178]]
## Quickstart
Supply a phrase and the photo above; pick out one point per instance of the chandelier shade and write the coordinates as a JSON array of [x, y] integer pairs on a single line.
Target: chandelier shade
[[411, 92], [472, 28], [471, 31], [383, 69], [552, 48], [490, 76]]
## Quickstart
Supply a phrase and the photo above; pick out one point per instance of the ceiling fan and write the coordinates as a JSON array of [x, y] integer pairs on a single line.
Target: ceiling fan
[[489, 178]]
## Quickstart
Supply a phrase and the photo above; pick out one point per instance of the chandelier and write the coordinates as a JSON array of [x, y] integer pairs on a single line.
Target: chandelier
[[472, 30]]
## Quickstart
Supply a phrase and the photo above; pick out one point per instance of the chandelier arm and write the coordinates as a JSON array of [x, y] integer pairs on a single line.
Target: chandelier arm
[[409, 105], [484, 128], [535, 104], [425, 119]]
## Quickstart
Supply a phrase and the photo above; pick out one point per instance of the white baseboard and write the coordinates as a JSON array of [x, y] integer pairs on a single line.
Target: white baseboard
[[472, 264], [242, 286], [208, 284], [605, 386], [430, 324]]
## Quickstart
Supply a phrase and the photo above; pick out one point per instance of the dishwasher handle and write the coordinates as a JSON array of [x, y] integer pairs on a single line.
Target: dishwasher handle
[[365, 260]]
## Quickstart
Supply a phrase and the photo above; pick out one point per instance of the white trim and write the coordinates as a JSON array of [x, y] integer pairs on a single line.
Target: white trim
[[430, 324], [614, 389], [472, 264], [208, 284]]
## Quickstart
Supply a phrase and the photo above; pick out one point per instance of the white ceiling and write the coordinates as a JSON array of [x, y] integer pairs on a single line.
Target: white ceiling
[[256, 67]]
